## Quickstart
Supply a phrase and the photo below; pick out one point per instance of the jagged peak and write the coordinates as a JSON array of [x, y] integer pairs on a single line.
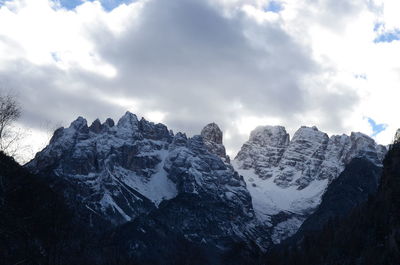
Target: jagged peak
[[96, 122], [128, 119], [397, 137], [267, 129], [109, 122], [270, 135], [359, 135], [361, 138], [95, 126], [306, 132], [180, 135], [79, 123], [314, 128], [211, 132]]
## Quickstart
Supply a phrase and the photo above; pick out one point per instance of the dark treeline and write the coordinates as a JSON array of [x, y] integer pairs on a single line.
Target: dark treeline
[[37, 227]]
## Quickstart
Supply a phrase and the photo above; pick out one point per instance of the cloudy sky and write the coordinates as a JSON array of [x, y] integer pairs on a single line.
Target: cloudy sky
[[240, 63]]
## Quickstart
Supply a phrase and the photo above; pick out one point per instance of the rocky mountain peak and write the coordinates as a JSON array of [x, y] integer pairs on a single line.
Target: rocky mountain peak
[[96, 126], [212, 133], [309, 134], [397, 136], [275, 136], [79, 123], [290, 176], [109, 123], [212, 138], [129, 120]]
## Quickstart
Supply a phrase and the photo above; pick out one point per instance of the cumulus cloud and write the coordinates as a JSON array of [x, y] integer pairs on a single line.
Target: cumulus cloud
[[187, 63]]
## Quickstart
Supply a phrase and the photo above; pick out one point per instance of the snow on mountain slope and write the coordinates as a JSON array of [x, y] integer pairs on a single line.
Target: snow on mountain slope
[[137, 169], [287, 178], [116, 171], [269, 199]]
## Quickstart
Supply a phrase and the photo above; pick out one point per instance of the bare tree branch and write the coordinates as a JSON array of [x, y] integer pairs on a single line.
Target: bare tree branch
[[10, 111]]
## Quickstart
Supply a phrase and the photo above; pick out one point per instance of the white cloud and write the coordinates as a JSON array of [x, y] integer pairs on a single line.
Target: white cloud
[[187, 63]]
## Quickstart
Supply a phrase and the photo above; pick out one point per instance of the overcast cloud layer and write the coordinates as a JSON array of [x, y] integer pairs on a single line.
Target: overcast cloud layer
[[333, 63]]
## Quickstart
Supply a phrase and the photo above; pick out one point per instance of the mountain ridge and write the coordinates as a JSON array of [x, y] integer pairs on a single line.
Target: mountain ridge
[[115, 173]]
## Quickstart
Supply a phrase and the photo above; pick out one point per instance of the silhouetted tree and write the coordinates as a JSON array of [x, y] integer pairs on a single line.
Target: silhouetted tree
[[10, 111]]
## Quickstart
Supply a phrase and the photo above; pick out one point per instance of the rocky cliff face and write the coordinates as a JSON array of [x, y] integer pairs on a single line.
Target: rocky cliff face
[[397, 137], [212, 138], [288, 177]]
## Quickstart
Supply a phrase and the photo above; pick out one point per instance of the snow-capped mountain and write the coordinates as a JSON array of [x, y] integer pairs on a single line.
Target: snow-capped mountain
[[114, 174], [287, 178], [136, 171]]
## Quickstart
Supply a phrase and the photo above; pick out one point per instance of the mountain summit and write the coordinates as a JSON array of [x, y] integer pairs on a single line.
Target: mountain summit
[[287, 177], [212, 137]]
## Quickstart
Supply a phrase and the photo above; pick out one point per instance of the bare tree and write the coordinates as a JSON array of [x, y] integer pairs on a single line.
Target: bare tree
[[10, 111]]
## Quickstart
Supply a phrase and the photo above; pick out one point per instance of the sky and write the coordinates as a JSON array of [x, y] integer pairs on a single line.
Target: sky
[[240, 63]]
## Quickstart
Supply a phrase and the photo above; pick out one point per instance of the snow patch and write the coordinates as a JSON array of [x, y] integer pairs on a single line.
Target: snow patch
[[157, 188], [270, 199]]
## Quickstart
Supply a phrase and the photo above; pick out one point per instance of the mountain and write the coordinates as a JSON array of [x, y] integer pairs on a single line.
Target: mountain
[[138, 176], [111, 173], [370, 234], [359, 180], [145, 187], [287, 178]]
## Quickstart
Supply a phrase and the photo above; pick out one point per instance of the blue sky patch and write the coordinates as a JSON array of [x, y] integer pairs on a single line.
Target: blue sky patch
[[274, 6], [388, 36], [107, 4], [378, 26], [69, 4], [376, 128], [2, 2], [385, 35]]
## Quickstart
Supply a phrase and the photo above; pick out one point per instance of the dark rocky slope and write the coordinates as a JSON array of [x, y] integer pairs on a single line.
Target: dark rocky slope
[[35, 224], [369, 235], [355, 184]]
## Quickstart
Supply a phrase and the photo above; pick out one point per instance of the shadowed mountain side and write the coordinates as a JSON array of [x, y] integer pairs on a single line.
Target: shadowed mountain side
[[355, 184], [369, 235]]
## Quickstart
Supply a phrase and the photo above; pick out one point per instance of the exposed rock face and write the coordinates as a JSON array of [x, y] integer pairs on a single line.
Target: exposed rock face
[[213, 205], [264, 150], [212, 133], [397, 137], [302, 159], [212, 137], [113, 174], [289, 177]]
